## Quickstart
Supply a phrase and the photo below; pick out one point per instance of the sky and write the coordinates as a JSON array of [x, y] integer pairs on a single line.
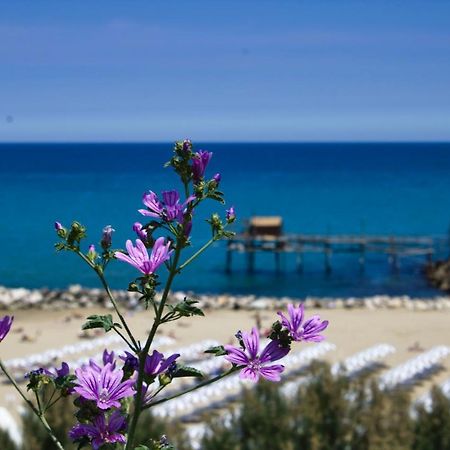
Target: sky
[[211, 70]]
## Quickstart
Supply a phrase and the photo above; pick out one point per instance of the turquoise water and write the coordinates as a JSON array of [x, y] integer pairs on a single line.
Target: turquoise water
[[317, 188]]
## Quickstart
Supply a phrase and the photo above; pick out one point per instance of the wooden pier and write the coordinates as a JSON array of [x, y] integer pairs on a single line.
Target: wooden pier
[[264, 234]]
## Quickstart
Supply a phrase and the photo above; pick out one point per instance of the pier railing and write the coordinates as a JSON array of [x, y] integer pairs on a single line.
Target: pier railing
[[394, 246]]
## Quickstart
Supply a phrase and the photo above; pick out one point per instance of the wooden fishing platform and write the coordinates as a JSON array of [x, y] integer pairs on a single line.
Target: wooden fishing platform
[[265, 234]]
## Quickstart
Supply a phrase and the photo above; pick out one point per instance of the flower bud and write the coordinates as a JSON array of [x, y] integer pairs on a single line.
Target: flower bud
[[140, 231], [91, 254], [187, 145], [60, 230], [217, 177], [107, 237], [231, 215]]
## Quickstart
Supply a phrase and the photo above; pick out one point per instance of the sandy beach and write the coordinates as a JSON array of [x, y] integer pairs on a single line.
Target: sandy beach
[[350, 330]]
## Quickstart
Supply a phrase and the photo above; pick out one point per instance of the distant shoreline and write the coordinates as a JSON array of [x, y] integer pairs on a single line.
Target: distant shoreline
[[76, 296]]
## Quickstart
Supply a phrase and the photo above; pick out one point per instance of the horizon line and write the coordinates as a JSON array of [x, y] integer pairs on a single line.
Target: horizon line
[[106, 142]]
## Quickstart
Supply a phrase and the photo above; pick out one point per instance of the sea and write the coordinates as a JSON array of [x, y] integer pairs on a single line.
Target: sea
[[330, 188]]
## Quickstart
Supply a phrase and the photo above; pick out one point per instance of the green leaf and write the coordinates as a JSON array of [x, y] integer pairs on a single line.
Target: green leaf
[[186, 308], [216, 196], [219, 350], [142, 447], [185, 371], [96, 321]]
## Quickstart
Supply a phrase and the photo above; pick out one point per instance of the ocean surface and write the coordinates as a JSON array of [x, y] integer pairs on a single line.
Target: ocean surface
[[316, 188]]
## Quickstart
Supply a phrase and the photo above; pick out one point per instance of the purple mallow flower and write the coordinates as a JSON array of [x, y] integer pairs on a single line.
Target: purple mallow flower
[[107, 237], [156, 364], [101, 431], [199, 163], [105, 387], [309, 330], [169, 209], [5, 326], [139, 258], [254, 364]]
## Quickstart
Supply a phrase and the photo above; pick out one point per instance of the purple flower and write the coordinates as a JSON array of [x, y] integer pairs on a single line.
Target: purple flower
[[105, 388], [139, 258], [58, 226], [231, 215], [156, 364], [309, 330], [5, 326], [140, 231], [255, 365], [187, 145], [101, 431], [64, 371], [130, 361], [168, 209], [199, 163], [107, 237], [151, 201], [108, 357]]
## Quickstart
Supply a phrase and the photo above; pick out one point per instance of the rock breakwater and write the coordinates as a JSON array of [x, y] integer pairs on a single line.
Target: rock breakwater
[[76, 296]]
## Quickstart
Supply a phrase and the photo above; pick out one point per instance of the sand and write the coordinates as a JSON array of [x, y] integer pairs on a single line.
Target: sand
[[351, 331]]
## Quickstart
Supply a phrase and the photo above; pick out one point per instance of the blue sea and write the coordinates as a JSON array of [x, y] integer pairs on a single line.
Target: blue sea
[[375, 188]]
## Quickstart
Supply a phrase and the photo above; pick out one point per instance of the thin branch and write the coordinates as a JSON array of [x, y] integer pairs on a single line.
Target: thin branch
[[39, 415], [194, 388]]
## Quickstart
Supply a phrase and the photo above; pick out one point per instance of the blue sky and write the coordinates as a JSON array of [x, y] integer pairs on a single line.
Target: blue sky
[[148, 70]]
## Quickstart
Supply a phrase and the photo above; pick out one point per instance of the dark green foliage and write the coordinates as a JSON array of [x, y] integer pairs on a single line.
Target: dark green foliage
[[381, 420], [219, 437], [60, 417], [432, 429], [320, 412], [151, 430], [332, 413]]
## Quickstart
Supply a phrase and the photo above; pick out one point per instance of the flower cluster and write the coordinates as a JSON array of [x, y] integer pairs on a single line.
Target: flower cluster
[[255, 364], [103, 392]]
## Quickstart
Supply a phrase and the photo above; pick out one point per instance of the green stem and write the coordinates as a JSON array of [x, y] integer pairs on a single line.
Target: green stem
[[123, 337], [39, 415], [52, 403], [144, 352], [116, 307], [196, 254], [38, 401], [194, 388], [111, 297]]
